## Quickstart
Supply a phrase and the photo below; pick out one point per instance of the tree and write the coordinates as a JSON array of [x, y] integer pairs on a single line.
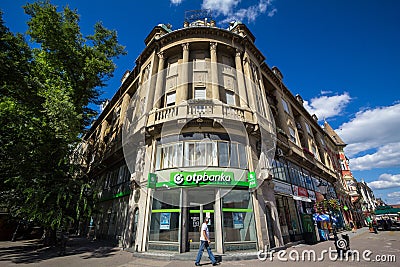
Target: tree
[[44, 108]]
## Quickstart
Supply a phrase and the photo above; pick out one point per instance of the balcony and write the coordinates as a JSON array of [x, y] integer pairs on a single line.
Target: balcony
[[200, 109]]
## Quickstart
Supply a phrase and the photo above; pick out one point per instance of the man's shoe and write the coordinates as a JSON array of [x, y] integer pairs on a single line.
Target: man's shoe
[[197, 264], [215, 264]]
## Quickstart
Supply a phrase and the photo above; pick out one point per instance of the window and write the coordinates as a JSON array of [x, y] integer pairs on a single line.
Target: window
[[238, 217], [201, 153], [223, 154], [292, 135], [285, 105], [314, 151], [164, 225], [200, 93], [171, 99], [169, 156], [234, 156], [199, 64], [230, 98], [280, 170], [308, 128], [172, 69], [242, 156]]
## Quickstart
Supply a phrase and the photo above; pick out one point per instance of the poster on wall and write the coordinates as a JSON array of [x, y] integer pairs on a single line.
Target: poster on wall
[[237, 220], [165, 220]]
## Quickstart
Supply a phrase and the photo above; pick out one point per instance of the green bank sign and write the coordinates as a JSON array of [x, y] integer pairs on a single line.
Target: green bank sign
[[202, 178]]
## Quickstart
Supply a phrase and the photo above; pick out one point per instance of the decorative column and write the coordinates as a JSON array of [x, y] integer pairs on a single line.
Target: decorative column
[[104, 126], [240, 80], [183, 86], [124, 108], [160, 81], [249, 82], [214, 71]]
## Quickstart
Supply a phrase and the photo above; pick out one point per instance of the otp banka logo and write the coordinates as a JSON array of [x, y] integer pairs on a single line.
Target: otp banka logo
[[178, 179]]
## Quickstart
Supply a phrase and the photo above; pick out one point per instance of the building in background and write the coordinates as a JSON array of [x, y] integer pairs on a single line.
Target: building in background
[[202, 126]]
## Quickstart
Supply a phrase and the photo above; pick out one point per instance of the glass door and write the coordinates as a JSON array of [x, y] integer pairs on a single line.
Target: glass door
[[200, 205]]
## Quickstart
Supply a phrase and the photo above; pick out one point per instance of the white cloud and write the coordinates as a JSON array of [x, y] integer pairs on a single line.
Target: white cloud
[[272, 12], [386, 156], [394, 197], [250, 13], [386, 181], [176, 2], [220, 6], [377, 129], [327, 106]]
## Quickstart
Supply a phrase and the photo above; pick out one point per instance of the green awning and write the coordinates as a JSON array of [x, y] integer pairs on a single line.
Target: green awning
[[386, 210]]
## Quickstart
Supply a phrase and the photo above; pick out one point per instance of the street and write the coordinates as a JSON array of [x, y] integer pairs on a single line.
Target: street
[[369, 249]]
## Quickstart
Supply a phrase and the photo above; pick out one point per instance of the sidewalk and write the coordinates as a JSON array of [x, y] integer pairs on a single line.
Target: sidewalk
[[234, 255]]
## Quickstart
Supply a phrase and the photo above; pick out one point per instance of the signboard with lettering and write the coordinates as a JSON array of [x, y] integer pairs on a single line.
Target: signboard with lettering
[[282, 188], [202, 178], [311, 195], [302, 192], [252, 178], [152, 180]]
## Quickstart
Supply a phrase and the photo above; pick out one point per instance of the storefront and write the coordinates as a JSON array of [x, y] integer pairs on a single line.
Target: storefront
[[288, 217], [180, 205]]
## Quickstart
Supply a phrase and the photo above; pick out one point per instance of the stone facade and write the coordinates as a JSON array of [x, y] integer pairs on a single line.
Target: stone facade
[[202, 102]]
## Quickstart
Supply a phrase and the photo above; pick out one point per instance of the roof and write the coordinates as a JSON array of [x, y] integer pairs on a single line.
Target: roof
[[336, 138]]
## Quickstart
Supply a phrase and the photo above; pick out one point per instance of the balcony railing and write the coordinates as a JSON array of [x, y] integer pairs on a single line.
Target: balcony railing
[[200, 108]]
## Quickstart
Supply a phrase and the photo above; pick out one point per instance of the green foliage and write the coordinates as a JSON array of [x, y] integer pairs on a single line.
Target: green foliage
[[326, 206], [44, 98]]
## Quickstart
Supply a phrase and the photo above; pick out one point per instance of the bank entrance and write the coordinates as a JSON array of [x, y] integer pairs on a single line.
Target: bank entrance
[[178, 213]]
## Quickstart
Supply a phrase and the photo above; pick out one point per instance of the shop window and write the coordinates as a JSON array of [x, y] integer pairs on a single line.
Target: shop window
[[165, 214], [238, 217], [280, 170]]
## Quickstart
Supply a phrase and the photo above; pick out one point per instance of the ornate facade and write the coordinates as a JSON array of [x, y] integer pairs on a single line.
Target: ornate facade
[[202, 126]]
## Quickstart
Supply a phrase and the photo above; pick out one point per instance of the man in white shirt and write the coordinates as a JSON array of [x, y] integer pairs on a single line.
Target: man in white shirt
[[205, 242]]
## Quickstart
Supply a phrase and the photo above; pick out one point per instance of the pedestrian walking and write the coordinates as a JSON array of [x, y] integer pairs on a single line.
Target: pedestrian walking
[[205, 243], [353, 227]]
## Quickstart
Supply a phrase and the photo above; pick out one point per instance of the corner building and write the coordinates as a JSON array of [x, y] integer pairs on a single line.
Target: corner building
[[202, 126]]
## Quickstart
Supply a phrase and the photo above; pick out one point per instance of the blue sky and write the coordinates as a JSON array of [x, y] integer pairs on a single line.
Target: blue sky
[[342, 57]]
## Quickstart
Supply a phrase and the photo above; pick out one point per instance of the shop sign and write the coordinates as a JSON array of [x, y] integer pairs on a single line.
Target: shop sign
[[311, 195], [252, 179], [202, 178], [295, 190], [152, 180], [282, 188], [302, 192]]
